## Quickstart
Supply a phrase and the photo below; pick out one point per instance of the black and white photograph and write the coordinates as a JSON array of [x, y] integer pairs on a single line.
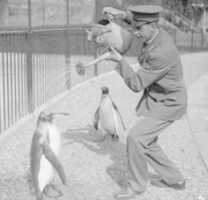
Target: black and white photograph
[[103, 99]]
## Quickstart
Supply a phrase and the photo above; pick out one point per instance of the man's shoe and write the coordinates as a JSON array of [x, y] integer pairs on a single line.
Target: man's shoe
[[178, 186], [125, 194], [115, 137], [161, 183]]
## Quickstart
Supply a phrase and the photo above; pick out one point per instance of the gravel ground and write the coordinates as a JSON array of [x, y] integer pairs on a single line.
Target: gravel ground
[[96, 170]]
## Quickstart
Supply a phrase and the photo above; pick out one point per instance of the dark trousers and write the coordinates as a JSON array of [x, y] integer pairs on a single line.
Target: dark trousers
[[143, 149]]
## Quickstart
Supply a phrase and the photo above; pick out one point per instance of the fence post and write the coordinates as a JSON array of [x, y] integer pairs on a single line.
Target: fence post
[[96, 49], [29, 63], [67, 53], [96, 54], [1, 94], [202, 38], [192, 39]]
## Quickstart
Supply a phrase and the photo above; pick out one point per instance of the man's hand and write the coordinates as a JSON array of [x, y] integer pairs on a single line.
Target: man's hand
[[136, 66], [115, 55]]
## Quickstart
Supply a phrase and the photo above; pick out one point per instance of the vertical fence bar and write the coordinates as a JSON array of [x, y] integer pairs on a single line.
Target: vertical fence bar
[[12, 86], [96, 54], [43, 12], [41, 79], [29, 62], [33, 80], [14, 75], [2, 88], [19, 82], [96, 50], [8, 87], [21, 71], [16, 85], [35, 76], [67, 49], [44, 78], [202, 38], [37, 80], [1, 96], [4, 85], [25, 95], [192, 39]]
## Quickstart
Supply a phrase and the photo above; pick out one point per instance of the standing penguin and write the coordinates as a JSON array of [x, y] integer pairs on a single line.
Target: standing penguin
[[45, 147], [107, 116]]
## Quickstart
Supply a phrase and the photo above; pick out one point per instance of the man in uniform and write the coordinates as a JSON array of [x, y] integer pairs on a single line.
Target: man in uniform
[[164, 100]]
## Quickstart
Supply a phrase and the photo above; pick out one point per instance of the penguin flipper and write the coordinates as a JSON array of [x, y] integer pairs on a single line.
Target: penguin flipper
[[119, 114], [35, 154], [49, 154], [39, 196], [96, 119]]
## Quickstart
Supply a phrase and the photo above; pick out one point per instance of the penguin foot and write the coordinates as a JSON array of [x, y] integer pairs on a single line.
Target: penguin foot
[[115, 137], [99, 139], [39, 196], [52, 191]]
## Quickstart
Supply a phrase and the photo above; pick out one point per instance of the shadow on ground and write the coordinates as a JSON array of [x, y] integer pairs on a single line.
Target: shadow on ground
[[95, 142]]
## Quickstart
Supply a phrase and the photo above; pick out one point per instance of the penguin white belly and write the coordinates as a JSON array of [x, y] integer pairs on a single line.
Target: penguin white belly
[[108, 117], [46, 169], [55, 139], [45, 174]]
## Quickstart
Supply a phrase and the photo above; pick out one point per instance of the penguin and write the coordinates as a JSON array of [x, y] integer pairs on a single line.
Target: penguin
[[45, 148], [107, 117]]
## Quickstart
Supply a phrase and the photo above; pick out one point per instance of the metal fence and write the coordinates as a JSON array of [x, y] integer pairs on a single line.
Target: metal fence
[[32, 61], [190, 40], [30, 66]]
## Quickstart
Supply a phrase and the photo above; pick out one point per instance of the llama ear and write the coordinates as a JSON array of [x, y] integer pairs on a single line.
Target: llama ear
[[113, 11]]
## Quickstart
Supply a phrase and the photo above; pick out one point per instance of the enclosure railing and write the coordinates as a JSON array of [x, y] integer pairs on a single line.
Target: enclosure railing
[[38, 65], [30, 66]]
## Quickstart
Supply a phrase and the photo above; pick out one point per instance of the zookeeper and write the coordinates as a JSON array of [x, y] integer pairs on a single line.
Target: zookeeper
[[164, 100]]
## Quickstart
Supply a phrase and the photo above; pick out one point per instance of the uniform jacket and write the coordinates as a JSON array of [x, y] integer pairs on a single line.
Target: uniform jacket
[[161, 79]]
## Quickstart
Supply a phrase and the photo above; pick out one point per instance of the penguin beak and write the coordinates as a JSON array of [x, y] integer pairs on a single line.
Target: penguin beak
[[61, 113]]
